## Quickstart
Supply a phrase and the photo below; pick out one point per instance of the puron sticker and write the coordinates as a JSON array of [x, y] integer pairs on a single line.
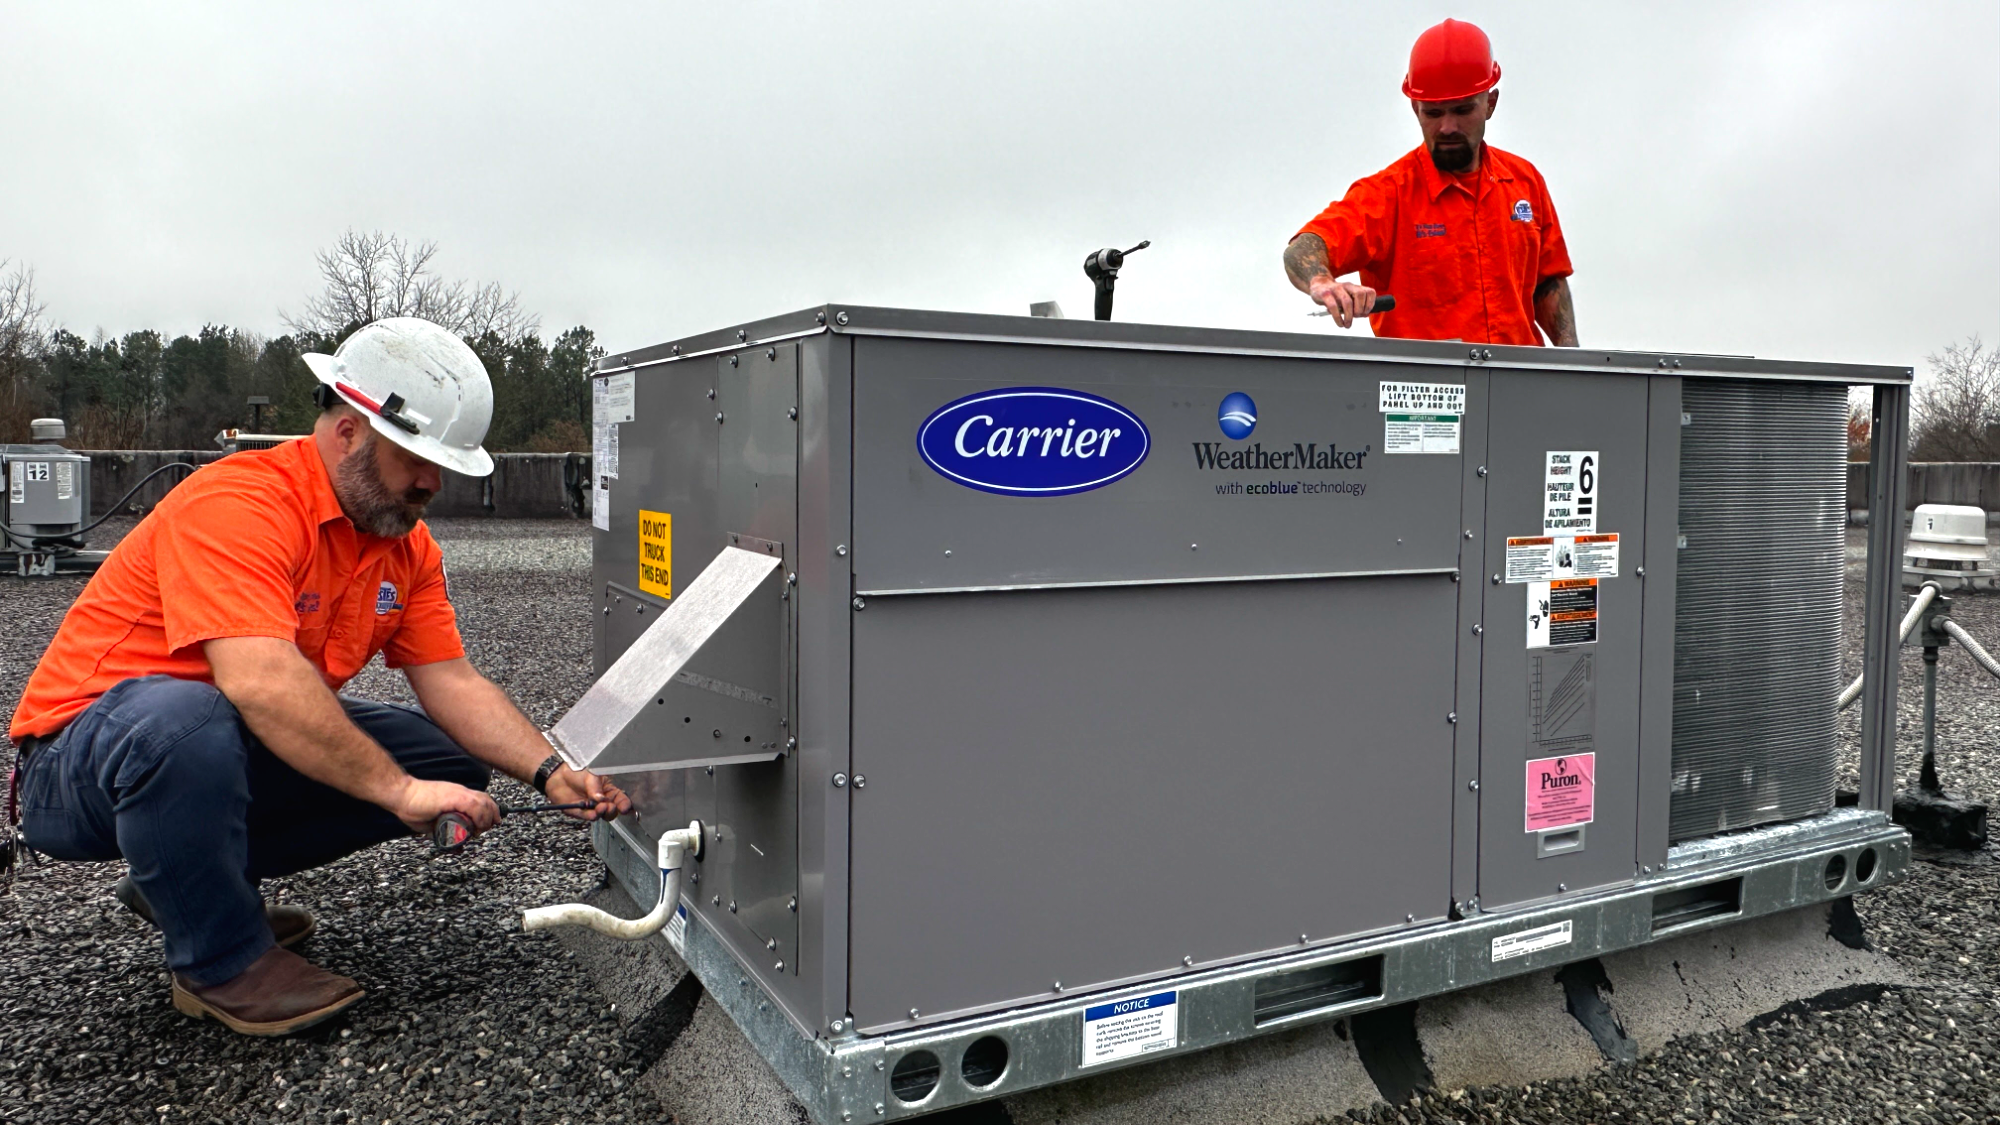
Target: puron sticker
[[1562, 792], [1521, 944]]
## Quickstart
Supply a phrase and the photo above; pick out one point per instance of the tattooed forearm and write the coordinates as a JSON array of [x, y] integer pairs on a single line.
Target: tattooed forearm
[[1305, 259], [1555, 313]]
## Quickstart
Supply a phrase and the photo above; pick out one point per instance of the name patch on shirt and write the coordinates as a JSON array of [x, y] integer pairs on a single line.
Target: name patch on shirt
[[1523, 213], [385, 599], [308, 603], [1430, 230]]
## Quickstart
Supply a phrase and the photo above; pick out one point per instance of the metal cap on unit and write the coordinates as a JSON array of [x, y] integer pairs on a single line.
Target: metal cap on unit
[[1954, 532]]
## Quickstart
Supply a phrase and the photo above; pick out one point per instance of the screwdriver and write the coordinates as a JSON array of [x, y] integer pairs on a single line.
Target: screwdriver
[[453, 831]]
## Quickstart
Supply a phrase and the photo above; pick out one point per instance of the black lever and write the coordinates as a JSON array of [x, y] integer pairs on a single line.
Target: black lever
[[1102, 268]]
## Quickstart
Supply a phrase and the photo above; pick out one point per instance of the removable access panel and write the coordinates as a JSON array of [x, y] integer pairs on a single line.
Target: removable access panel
[[1087, 786]]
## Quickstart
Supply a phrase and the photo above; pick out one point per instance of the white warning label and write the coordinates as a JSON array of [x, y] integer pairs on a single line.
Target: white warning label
[[1569, 500], [1124, 1028], [1545, 558], [1531, 941], [1562, 612]]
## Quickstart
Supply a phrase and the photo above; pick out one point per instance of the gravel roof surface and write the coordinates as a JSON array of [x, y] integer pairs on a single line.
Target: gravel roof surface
[[469, 1020]]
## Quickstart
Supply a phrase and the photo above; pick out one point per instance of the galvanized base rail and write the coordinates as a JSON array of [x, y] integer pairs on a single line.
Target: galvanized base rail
[[1705, 884]]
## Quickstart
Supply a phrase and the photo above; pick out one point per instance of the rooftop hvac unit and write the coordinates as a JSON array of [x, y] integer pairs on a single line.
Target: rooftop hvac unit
[[1050, 695]]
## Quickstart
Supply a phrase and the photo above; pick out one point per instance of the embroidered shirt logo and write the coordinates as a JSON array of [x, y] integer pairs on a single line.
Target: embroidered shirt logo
[[1523, 213], [308, 603], [1434, 230], [385, 599]]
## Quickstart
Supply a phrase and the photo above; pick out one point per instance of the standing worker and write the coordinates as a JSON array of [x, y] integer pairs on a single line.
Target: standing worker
[[184, 717], [1462, 234]]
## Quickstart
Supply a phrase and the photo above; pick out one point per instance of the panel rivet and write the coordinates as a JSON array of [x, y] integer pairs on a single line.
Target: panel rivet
[[718, 416], [1645, 869], [732, 906], [1187, 962], [1302, 939], [1057, 986], [792, 579], [1639, 572], [860, 781], [770, 353], [1478, 630], [792, 412], [1473, 785], [732, 361], [793, 905], [1496, 580], [771, 944], [840, 781], [1481, 470], [841, 550], [1468, 533], [1409, 917], [711, 394], [741, 335], [1451, 716], [779, 967], [1562, 888], [717, 900], [913, 1014]]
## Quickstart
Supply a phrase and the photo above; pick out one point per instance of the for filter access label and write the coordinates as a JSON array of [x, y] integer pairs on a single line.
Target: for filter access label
[[1124, 1029]]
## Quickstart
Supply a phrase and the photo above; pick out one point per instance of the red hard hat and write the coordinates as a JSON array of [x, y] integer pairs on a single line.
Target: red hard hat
[[1451, 61]]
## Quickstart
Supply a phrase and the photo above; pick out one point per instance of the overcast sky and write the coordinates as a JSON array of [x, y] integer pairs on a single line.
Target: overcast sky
[[1813, 180]]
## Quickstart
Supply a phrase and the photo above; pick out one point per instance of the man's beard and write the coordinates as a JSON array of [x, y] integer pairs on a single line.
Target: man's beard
[[1452, 157], [357, 484]]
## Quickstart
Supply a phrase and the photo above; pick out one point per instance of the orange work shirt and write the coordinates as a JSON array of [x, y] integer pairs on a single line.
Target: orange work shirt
[[254, 545], [1462, 255]]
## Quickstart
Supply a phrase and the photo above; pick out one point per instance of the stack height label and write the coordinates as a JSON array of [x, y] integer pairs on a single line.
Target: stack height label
[[1569, 501], [1421, 417], [1125, 1028]]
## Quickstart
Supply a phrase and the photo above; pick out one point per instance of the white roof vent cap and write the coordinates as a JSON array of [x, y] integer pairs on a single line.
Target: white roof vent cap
[[1947, 531], [47, 429]]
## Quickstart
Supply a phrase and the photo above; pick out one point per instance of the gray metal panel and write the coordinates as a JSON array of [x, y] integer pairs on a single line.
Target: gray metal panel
[[1888, 482], [1087, 786], [916, 529], [1757, 616], [1660, 564], [824, 587], [1473, 483], [1532, 414]]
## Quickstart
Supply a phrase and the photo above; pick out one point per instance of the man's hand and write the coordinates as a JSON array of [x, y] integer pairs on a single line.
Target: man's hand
[[421, 802], [1346, 302], [568, 786]]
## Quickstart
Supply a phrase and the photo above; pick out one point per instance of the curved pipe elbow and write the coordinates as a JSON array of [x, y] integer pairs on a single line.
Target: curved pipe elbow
[[674, 846]]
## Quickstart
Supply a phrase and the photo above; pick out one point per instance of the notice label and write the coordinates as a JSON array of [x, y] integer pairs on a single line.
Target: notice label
[[677, 930], [65, 479], [1420, 433], [1569, 501], [1531, 941], [617, 397], [610, 403], [656, 553], [1562, 612], [17, 482], [1562, 792], [1125, 1028], [1423, 398], [1544, 558]]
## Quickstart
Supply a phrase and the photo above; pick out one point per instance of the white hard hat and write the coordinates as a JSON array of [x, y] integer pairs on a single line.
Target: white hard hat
[[420, 386]]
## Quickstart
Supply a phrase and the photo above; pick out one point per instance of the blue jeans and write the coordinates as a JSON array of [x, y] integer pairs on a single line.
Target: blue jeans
[[164, 773]]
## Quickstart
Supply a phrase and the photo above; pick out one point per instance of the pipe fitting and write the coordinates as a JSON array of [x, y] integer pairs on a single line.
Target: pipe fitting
[[675, 847]]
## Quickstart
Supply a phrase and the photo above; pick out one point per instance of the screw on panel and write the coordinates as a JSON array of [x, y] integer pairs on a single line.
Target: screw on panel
[[792, 579], [913, 1014], [1194, 546], [741, 335], [1187, 962], [1639, 572], [694, 877], [732, 906], [860, 781], [840, 781], [771, 944], [1454, 576], [716, 733], [845, 1071], [1451, 717], [770, 353], [1677, 364], [793, 905], [1409, 917], [860, 604], [837, 1027], [841, 550], [880, 1109], [1056, 986], [1478, 630], [711, 771], [717, 900], [792, 413], [1562, 888], [791, 744], [607, 611], [1472, 353], [819, 317], [1302, 939], [1481, 470], [1473, 785], [711, 394], [1468, 533], [718, 416], [880, 1065], [1496, 580], [1645, 869], [840, 318], [732, 361]]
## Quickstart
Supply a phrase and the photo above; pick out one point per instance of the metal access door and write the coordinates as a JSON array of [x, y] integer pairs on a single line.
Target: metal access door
[[1559, 698]]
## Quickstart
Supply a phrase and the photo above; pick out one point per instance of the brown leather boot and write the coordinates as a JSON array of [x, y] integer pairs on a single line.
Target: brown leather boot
[[290, 925], [281, 992]]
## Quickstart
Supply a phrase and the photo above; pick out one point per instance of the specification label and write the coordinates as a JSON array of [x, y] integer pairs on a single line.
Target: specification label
[[1124, 1028], [1562, 791], [1531, 941], [1562, 612]]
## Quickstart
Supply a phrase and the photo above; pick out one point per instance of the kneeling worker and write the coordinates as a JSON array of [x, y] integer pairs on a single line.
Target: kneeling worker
[[184, 717], [1462, 234]]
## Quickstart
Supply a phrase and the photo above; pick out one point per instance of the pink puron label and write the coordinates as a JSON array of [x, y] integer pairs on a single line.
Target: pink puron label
[[1561, 791]]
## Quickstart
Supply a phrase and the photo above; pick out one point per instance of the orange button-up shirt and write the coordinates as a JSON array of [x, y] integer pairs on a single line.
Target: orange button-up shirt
[[254, 545], [1462, 255]]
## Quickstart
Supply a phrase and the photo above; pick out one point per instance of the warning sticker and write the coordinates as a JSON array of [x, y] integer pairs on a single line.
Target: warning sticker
[[1562, 612], [610, 403], [1531, 941], [1562, 792], [1423, 398], [1569, 500], [65, 479], [1420, 433], [1543, 558], [1125, 1028], [617, 397], [677, 930], [656, 553]]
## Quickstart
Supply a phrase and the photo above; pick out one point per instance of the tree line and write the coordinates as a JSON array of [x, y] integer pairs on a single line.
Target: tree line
[[143, 390]]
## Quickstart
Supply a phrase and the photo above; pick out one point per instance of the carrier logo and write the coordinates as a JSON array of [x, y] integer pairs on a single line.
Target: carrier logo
[[1237, 416], [1034, 441]]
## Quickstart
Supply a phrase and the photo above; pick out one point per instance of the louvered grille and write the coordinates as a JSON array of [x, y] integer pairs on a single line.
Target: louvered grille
[[1757, 616]]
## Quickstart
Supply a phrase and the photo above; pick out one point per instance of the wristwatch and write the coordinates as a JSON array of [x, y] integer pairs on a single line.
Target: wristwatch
[[547, 770]]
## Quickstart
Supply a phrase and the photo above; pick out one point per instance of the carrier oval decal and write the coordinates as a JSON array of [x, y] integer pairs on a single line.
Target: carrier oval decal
[[1033, 441]]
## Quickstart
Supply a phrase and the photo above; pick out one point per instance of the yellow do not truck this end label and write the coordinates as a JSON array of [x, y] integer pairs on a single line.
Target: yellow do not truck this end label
[[656, 553]]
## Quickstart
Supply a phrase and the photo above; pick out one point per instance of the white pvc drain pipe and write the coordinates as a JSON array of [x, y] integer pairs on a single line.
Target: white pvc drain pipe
[[675, 846]]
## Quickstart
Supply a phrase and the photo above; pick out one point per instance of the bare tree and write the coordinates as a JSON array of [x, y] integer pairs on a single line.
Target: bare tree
[[23, 334], [369, 275], [1957, 410]]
